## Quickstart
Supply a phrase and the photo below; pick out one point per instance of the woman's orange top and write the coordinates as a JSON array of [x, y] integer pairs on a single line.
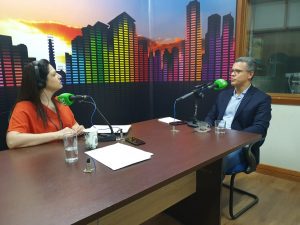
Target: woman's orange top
[[24, 118]]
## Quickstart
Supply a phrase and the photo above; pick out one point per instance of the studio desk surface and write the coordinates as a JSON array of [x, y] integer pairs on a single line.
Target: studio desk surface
[[38, 187]]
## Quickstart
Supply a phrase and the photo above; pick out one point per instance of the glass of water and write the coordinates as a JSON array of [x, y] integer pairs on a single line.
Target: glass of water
[[220, 126], [71, 147]]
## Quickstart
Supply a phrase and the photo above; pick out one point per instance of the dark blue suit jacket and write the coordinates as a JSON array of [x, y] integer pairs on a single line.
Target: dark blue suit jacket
[[253, 114]]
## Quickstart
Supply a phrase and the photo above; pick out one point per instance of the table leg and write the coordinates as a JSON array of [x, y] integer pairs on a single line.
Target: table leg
[[203, 207]]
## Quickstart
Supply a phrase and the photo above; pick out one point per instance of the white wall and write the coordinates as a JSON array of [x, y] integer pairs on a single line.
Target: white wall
[[282, 145]]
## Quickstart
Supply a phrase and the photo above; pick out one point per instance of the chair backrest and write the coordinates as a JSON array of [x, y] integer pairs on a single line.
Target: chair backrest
[[252, 155], [4, 118], [255, 148]]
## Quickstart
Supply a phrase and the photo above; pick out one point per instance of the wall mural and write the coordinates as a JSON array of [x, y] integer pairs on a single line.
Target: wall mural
[[130, 44]]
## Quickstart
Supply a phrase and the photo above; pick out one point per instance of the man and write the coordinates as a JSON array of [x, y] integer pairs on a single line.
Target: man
[[243, 107]]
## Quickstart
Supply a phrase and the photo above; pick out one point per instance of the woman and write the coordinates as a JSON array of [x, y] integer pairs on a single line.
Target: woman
[[37, 116]]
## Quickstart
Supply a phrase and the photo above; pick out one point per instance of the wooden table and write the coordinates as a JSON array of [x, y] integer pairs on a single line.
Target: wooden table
[[38, 187]]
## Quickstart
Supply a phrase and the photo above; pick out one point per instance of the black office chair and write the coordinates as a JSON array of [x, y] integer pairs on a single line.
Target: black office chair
[[248, 166], [4, 118]]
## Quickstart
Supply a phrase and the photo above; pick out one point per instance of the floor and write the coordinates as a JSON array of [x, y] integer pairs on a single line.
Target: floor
[[279, 202]]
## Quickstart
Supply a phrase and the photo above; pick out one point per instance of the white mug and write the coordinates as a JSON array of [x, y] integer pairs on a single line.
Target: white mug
[[91, 138]]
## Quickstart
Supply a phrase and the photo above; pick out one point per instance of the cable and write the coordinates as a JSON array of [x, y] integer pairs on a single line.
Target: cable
[[108, 137], [95, 107]]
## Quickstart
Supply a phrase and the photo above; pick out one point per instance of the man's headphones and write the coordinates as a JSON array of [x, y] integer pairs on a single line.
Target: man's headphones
[[40, 82]]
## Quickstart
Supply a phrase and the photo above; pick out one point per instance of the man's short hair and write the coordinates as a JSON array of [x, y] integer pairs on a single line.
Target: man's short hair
[[250, 61]]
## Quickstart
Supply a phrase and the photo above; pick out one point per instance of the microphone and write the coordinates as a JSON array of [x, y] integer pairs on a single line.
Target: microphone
[[68, 98], [218, 84]]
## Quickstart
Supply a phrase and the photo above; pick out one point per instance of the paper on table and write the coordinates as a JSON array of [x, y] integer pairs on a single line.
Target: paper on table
[[104, 129], [168, 120], [118, 155]]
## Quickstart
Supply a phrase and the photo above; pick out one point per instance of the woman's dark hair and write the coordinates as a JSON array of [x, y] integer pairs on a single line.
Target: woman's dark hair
[[34, 80], [34, 74]]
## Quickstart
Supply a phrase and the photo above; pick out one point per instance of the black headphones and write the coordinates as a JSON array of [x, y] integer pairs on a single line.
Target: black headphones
[[40, 82]]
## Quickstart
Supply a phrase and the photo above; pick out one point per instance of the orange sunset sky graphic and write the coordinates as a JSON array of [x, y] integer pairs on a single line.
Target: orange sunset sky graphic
[[35, 36]]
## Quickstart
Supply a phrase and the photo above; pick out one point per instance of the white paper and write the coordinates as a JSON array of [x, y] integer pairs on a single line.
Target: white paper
[[118, 155], [104, 129], [168, 120]]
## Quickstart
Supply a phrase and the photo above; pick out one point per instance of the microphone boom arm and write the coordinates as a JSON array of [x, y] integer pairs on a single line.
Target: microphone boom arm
[[197, 91]]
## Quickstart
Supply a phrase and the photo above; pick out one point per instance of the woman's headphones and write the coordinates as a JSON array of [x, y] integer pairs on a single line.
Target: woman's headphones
[[40, 81]]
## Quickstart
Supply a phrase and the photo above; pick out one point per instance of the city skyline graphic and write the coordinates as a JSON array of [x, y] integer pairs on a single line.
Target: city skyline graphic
[[116, 53]]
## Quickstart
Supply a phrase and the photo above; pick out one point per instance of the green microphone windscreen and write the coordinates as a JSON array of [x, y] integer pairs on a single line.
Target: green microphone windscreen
[[65, 98], [220, 84]]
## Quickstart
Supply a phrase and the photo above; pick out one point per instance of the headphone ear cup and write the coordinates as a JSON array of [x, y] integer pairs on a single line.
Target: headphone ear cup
[[41, 83]]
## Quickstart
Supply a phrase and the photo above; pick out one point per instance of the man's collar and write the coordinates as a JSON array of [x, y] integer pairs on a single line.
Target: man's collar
[[243, 93]]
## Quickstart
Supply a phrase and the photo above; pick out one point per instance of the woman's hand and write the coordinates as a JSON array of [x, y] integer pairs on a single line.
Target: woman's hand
[[78, 129], [61, 133]]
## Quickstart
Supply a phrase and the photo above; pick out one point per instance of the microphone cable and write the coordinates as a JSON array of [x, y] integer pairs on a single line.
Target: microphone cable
[[95, 108], [102, 116]]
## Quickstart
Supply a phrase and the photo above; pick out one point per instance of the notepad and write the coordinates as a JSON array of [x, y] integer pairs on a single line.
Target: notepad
[[119, 155], [104, 129], [168, 120]]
